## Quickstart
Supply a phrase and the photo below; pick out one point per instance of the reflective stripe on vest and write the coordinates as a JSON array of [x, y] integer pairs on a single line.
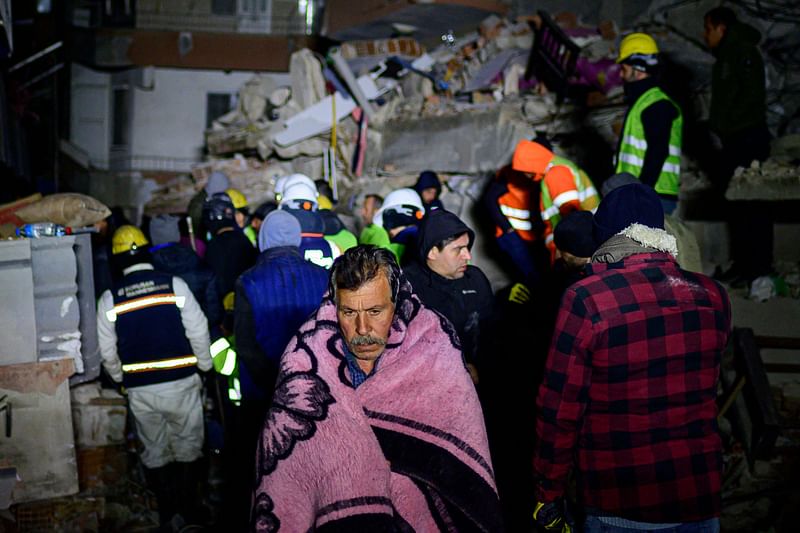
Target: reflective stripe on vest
[[145, 301], [235, 391], [520, 219], [584, 192], [223, 356], [160, 364], [633, 146], [514, 212]]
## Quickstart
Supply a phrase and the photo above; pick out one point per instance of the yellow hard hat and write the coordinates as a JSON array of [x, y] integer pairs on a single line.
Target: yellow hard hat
[[128, 239], [324, 202], [637, 44], [238, 199], [228, 301]]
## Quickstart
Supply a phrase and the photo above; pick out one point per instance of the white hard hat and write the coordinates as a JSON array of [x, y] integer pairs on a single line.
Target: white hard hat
[[298, 194], [284, 182], [405, 201]]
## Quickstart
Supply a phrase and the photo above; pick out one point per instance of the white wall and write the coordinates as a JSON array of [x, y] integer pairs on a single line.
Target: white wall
[[90, 113], [169, 120]]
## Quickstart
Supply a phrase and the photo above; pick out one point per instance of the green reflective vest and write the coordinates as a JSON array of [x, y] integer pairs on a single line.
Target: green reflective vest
[[584, 192], [252, 235], [378, 236], [634, 146], [344, 240]]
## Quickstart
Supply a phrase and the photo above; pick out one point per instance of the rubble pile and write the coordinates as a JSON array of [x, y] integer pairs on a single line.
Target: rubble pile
[[389, 107], [778, 178], [772, 180], [256, 178], [402, 94]]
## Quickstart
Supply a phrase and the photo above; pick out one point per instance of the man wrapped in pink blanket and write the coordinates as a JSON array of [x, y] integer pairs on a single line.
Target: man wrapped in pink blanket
[[375, 424]]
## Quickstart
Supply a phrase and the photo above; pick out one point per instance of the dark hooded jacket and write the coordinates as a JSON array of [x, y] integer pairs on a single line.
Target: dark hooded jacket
[[180, 260], [467, 301], [427, 180], [229, 254], [738, 94]]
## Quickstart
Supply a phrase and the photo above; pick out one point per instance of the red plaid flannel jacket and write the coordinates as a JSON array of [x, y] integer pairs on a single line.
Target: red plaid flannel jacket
[[629, 394]]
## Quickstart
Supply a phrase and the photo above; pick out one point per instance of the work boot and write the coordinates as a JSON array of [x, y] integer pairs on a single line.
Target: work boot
[[160, 481], [189, 478]]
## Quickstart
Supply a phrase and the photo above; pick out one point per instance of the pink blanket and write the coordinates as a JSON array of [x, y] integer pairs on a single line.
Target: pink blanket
[[406, 451]]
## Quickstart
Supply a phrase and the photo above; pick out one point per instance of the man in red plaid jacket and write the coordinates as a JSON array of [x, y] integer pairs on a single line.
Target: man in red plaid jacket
[[629, 394]]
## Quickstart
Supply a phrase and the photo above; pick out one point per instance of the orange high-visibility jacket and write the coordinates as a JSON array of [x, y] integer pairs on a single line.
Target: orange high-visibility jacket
[[515, 204]]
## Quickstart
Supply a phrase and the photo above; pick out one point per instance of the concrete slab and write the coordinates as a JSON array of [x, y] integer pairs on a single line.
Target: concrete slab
[[778, 317], [41, 445], [470, 142], [18, 331], [55, 274]]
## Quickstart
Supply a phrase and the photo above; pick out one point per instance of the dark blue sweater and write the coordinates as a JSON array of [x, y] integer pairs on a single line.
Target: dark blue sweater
[[273, 299]]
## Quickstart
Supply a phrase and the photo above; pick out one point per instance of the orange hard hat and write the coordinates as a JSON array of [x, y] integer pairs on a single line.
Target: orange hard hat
[[531, 157]]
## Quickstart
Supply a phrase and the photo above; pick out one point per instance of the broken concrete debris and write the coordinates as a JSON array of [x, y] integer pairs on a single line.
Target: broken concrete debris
[[396, 81], [778, 178]]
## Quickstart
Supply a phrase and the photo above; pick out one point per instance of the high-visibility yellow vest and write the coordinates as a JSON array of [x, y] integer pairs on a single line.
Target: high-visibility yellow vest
[[633, 145]]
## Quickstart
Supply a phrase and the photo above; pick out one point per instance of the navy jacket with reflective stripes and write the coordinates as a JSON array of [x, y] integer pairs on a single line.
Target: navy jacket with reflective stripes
[[151, 331]]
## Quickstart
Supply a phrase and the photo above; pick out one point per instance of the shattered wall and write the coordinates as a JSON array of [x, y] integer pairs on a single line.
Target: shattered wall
[[169, 120]]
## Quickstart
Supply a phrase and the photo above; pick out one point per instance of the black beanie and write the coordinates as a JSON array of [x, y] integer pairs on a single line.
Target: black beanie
[[630, 204], [438, 226], [573, 234]]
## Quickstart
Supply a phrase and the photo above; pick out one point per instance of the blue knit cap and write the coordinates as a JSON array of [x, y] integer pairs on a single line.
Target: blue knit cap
[[630, 204], [279, 229]]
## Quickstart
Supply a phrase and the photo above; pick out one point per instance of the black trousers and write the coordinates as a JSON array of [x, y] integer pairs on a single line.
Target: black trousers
[[751, 222]]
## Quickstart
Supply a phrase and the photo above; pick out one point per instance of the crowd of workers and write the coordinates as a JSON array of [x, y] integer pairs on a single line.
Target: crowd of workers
[[377, 383]]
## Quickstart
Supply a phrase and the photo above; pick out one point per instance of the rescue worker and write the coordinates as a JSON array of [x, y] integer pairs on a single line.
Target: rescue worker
[[153, 338], [650, 143], [564, 186], [333, 227], [284, 181], [508, 200], [371, 204], [241, 214], [229, 252], [217, 182], [394, 225], [299, 197]]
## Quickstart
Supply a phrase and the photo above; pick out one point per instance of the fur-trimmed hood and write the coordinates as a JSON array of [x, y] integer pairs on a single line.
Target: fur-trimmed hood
[[635, 239]]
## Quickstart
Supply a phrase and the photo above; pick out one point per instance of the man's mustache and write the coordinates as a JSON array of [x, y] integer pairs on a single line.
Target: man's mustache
[[361, 340]]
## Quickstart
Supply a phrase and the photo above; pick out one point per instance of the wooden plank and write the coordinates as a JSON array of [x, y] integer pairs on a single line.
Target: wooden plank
[[758, 395], [781, 343]]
